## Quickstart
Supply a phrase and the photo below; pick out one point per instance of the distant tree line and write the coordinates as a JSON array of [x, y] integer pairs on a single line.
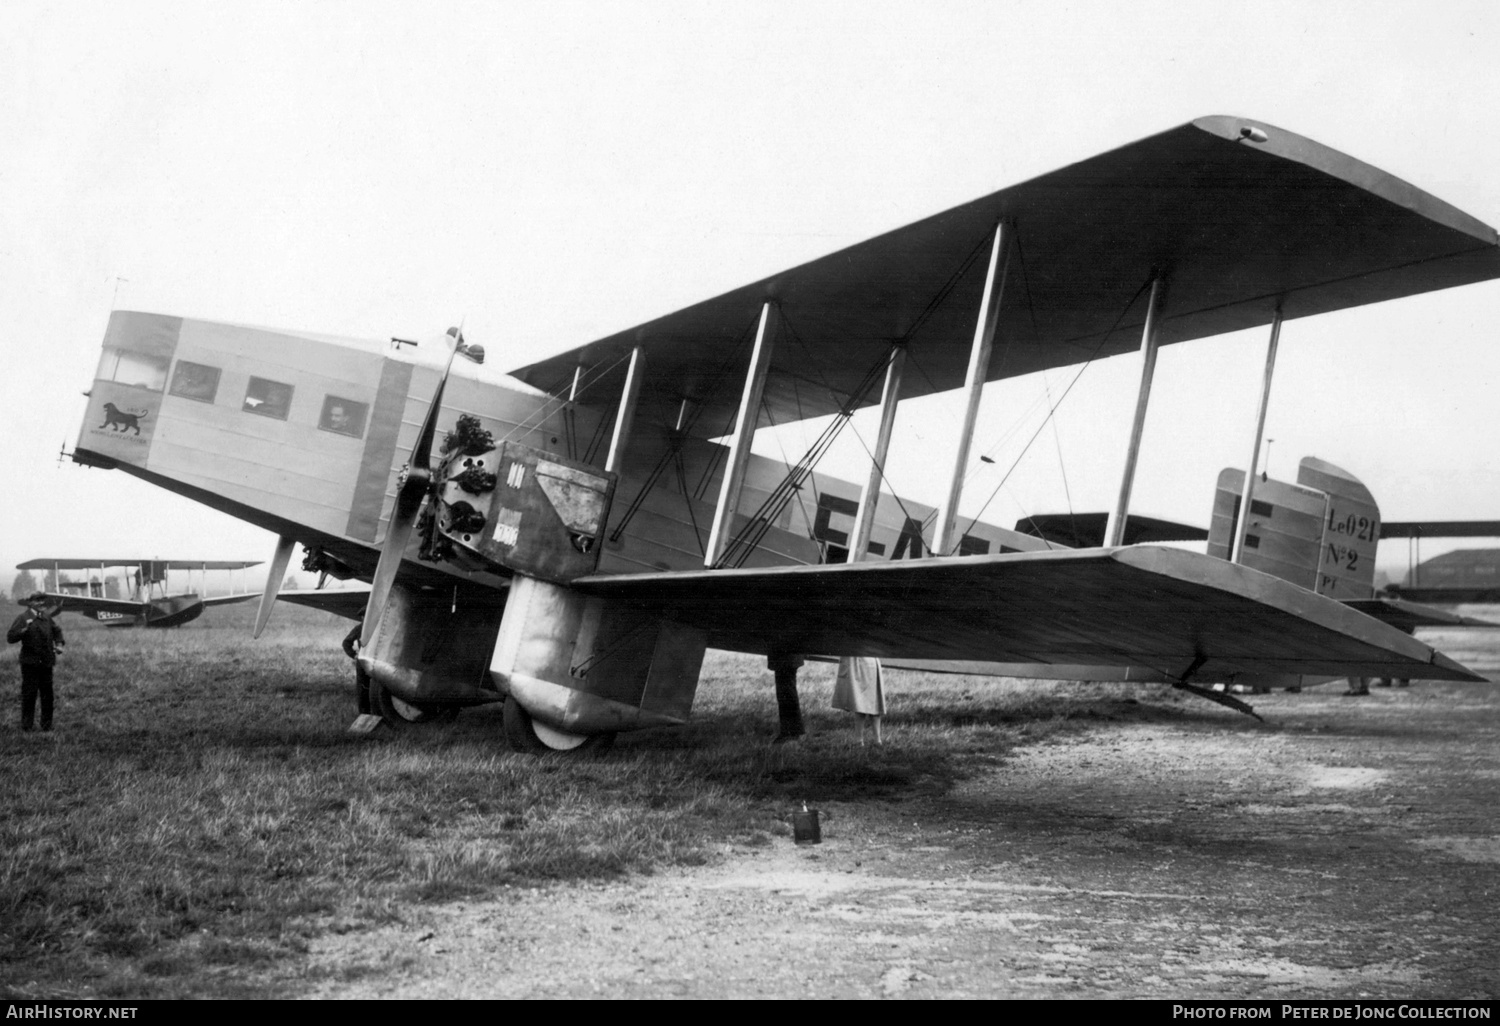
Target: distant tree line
[[23, 585]]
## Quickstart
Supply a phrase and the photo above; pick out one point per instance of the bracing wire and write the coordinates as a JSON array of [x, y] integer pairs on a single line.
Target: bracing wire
[[555, 400], [750, 537], [1053, 410], [673, 450], [1062, 467]]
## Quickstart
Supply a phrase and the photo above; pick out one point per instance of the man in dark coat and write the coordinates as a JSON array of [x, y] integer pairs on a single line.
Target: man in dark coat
[[40, 640]]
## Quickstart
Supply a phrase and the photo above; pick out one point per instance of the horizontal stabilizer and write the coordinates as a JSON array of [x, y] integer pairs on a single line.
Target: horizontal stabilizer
[[1156, 608], [1452, 596], [1410, 615]]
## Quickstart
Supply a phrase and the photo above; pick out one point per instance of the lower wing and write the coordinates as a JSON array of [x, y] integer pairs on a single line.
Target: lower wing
[[92, 604], [1182, 614], [224, 600], [348, 602], [1408, 616]]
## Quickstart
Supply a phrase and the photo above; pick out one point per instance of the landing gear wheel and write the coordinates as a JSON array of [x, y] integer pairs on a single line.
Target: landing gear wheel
[[400, 713], [527, 735]]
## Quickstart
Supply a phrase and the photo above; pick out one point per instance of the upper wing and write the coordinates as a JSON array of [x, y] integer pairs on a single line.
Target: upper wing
[[160, 564], [1233, 221], [1157, 608]]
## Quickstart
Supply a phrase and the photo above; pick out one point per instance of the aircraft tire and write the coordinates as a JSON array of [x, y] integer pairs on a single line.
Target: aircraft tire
[[401, 714], [525, 735]]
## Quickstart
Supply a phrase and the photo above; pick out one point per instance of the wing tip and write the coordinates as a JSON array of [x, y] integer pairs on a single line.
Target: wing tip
[[1456, 670]]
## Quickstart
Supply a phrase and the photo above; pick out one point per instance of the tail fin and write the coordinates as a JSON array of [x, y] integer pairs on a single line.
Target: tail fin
[[1320, 533]]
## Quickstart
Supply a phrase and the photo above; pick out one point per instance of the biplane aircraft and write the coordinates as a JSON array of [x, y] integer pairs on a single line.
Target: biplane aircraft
[[139, 595], [569, 539]]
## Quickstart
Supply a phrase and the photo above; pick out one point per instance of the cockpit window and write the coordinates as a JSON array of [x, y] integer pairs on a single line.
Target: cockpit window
[[266, 398], [141, 370], [195, 381]]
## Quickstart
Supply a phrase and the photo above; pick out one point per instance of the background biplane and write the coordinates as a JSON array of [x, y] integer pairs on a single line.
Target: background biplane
[[570, 539], [1444, 581], [139, 595]]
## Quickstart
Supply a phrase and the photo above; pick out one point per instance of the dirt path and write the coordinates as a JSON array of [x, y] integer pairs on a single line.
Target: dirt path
[[1349, 848]]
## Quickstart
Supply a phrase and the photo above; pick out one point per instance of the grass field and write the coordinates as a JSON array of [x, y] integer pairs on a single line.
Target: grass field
[[200, 811]]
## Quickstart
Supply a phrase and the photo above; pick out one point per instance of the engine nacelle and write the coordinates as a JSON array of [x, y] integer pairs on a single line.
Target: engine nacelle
[[429, 650], [587, 666], [574, 662], [519, 509]]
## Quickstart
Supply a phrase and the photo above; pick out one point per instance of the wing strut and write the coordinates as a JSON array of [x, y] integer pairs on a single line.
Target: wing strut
[[864, 520], [744, 434], [750, 536], [1238, 555], [943, 542], [1115, 533], [626, 414]]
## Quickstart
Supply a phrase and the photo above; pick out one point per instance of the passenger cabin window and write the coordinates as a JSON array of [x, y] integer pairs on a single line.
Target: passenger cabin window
[[266, 398], [195, 381], [343, 416], [128, 368]]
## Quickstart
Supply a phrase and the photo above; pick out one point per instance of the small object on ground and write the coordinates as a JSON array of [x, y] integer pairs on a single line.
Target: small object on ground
[[805, 829]]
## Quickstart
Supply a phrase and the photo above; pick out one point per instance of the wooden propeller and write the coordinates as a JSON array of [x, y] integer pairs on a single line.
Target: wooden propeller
[[409, 498]]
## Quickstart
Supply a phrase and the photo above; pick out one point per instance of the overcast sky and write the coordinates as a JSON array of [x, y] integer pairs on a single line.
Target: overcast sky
[[550, 173]]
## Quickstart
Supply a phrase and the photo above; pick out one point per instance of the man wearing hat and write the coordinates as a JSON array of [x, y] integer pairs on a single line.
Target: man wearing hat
[[40, 640]]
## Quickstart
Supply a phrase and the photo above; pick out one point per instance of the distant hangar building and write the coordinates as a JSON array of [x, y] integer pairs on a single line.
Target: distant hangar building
[[1465, 575], [1462, 568]]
